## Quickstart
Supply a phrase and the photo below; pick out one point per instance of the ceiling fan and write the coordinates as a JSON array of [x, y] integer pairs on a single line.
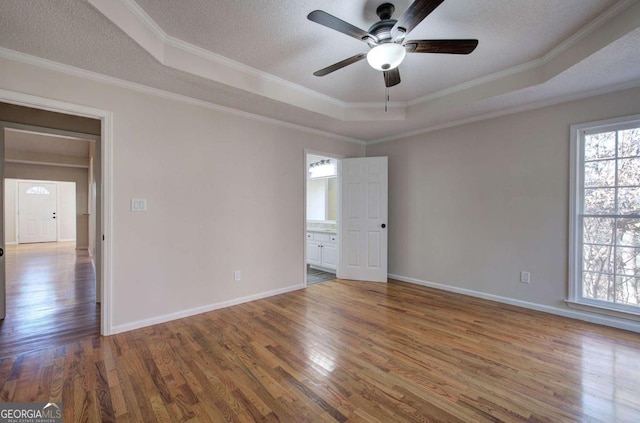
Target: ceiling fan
[[386, 39]]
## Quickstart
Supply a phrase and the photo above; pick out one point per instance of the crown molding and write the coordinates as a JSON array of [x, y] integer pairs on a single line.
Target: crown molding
[[143, 17], [183, 56], [510, 111], [104, 79], [538, 66], [591, 27], [617, 21], [186, 57], [147, 21]]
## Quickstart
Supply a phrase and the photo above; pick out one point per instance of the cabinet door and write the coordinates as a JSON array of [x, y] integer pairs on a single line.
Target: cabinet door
[[314, 253], [329, 255]]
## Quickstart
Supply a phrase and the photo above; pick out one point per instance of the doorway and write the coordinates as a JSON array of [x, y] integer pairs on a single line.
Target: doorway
[[350, 243], [63, 118], [50, 281], [321, 205]]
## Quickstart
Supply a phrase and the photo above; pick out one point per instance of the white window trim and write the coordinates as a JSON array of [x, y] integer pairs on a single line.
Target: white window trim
[[576, 179]]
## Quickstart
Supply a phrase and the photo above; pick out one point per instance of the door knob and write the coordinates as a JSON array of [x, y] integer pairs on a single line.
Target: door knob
[[1, 252], [383, 226]]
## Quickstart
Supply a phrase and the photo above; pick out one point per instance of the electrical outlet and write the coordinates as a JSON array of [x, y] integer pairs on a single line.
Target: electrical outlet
[[525, 277], [237, 276]]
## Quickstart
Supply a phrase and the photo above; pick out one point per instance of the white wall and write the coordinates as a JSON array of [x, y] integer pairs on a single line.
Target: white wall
[[472, 206], [66, 210], [216, 203], [10, 198]]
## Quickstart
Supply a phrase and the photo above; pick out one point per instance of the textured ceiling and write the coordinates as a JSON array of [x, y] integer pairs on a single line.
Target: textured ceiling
[[529, 51], [277, 38]]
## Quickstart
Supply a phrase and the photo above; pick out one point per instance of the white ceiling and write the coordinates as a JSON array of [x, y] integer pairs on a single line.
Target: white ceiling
[[259, 57]]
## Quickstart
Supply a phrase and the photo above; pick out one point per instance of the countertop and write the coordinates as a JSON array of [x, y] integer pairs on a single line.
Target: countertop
[[322, 230]]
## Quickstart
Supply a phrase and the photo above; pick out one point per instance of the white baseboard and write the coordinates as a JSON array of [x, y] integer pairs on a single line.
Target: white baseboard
[[198, 310], [10, 243], [573, 314], [67, 240], [82, 247]]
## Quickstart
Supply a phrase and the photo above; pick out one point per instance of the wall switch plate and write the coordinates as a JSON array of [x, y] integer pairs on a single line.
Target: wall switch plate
[[237, 276], [525, 277], [138, 204]]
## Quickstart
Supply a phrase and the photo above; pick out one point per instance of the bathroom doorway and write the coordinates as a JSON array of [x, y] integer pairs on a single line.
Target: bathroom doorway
[[321, 205]]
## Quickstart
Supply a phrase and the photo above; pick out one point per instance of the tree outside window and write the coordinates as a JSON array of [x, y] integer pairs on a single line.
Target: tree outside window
[[607, 220]]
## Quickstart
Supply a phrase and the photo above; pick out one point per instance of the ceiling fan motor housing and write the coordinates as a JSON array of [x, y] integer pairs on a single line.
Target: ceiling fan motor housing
[[385, 11], [382, 29]]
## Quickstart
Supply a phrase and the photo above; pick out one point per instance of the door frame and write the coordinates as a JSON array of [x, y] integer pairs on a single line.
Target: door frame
[[304, 207], [106, 182]]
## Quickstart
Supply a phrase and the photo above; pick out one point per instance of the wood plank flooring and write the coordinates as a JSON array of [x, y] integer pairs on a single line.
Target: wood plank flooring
[[317, 276], [50, 297], [348, 352]]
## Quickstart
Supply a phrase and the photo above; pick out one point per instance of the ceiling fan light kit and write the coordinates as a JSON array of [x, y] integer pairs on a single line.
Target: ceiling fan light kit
[[386, 56], [385, 39]]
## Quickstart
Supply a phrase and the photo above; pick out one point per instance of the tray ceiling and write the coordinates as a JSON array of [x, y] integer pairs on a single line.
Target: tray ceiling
[[259, 57]]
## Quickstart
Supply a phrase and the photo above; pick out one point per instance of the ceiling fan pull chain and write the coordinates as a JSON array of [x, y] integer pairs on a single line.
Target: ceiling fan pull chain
[[386, 98]]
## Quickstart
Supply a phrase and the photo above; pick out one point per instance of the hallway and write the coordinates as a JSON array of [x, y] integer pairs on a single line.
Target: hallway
[[50, 297]]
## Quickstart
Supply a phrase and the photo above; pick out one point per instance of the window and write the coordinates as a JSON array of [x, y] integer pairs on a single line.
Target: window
[[38, 190], [605, 215]]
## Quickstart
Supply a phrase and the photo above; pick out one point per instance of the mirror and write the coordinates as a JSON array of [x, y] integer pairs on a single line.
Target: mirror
[[322, 199]]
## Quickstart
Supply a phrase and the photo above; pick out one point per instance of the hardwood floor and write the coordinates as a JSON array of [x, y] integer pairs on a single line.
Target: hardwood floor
[[343, 351], [50, 297], [317, 276]]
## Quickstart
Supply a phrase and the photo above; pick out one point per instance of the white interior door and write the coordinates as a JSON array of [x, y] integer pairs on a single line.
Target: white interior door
[[363, 219], [37, 203]]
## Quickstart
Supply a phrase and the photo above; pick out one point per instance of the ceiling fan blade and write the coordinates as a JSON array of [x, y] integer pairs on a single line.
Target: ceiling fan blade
[[340, 65], [330, 21], [441, 46], [418, 10], [391, 77]]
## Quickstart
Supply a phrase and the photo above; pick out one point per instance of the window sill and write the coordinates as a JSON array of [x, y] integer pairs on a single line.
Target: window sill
[[602, 309]]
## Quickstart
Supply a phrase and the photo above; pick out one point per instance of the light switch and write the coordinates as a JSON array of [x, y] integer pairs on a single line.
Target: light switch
[[138, 204]]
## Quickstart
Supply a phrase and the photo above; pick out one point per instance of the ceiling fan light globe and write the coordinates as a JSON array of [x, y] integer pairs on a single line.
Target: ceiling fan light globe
[[386, 56]]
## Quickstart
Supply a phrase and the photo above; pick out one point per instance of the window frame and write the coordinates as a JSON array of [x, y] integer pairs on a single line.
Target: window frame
[[576, 187]]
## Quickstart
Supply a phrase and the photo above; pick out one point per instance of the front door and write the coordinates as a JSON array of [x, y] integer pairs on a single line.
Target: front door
[[37, 203], [363, 219]]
